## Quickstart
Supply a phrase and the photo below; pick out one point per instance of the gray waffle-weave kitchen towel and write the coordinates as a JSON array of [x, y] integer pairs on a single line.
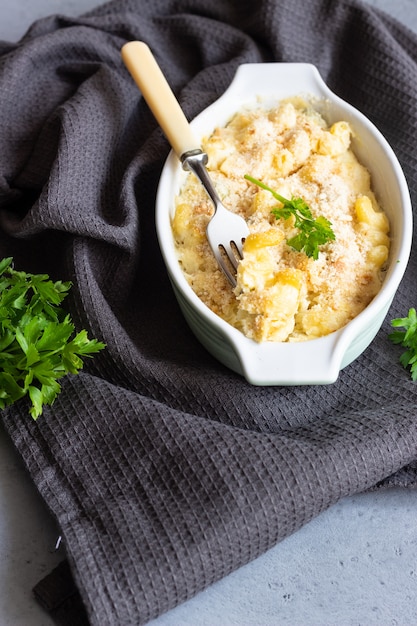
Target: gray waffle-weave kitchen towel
[[164, 470]]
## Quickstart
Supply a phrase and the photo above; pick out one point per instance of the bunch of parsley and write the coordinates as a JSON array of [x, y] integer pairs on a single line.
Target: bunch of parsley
[[38, 344], [407, 338]]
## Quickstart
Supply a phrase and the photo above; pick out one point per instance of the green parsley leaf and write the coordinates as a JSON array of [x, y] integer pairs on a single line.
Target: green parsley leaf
[[38, 342], [407, 338], [313, 232]]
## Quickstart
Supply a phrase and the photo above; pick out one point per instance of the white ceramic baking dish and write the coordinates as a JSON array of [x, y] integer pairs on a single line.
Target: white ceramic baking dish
[[317, 361]]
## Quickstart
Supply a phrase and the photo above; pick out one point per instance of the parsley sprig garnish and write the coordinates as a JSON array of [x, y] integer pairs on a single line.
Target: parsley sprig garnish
[[38, 344], [407, 338], [313, 232]]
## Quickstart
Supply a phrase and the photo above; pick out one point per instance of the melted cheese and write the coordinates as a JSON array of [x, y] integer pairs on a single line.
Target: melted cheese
[[281, 294]]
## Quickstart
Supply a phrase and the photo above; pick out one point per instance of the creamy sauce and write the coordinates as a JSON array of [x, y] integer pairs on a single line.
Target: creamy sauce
[[281, 294]]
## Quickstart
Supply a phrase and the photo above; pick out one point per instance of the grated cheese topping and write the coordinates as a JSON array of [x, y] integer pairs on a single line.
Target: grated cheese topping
[[281, 294]]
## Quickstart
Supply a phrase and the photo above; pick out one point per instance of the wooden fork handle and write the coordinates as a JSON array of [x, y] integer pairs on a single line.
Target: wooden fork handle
[[148, 76]]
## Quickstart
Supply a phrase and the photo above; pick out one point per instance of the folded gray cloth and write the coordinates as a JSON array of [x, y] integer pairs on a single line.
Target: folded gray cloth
[[166, 471]]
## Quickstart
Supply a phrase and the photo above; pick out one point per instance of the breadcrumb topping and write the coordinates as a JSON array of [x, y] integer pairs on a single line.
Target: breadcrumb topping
[[281, 294]]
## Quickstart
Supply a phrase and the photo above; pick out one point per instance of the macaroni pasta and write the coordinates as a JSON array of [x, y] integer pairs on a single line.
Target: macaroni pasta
[[281, 294]]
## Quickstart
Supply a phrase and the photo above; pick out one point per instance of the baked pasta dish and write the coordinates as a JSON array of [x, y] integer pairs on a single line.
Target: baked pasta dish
[[319, 241]]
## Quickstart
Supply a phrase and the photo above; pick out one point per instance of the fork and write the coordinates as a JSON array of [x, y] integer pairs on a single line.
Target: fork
[[226, 231]]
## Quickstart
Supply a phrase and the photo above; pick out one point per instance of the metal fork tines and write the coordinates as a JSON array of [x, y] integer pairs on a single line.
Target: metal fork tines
[[226, 231]]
